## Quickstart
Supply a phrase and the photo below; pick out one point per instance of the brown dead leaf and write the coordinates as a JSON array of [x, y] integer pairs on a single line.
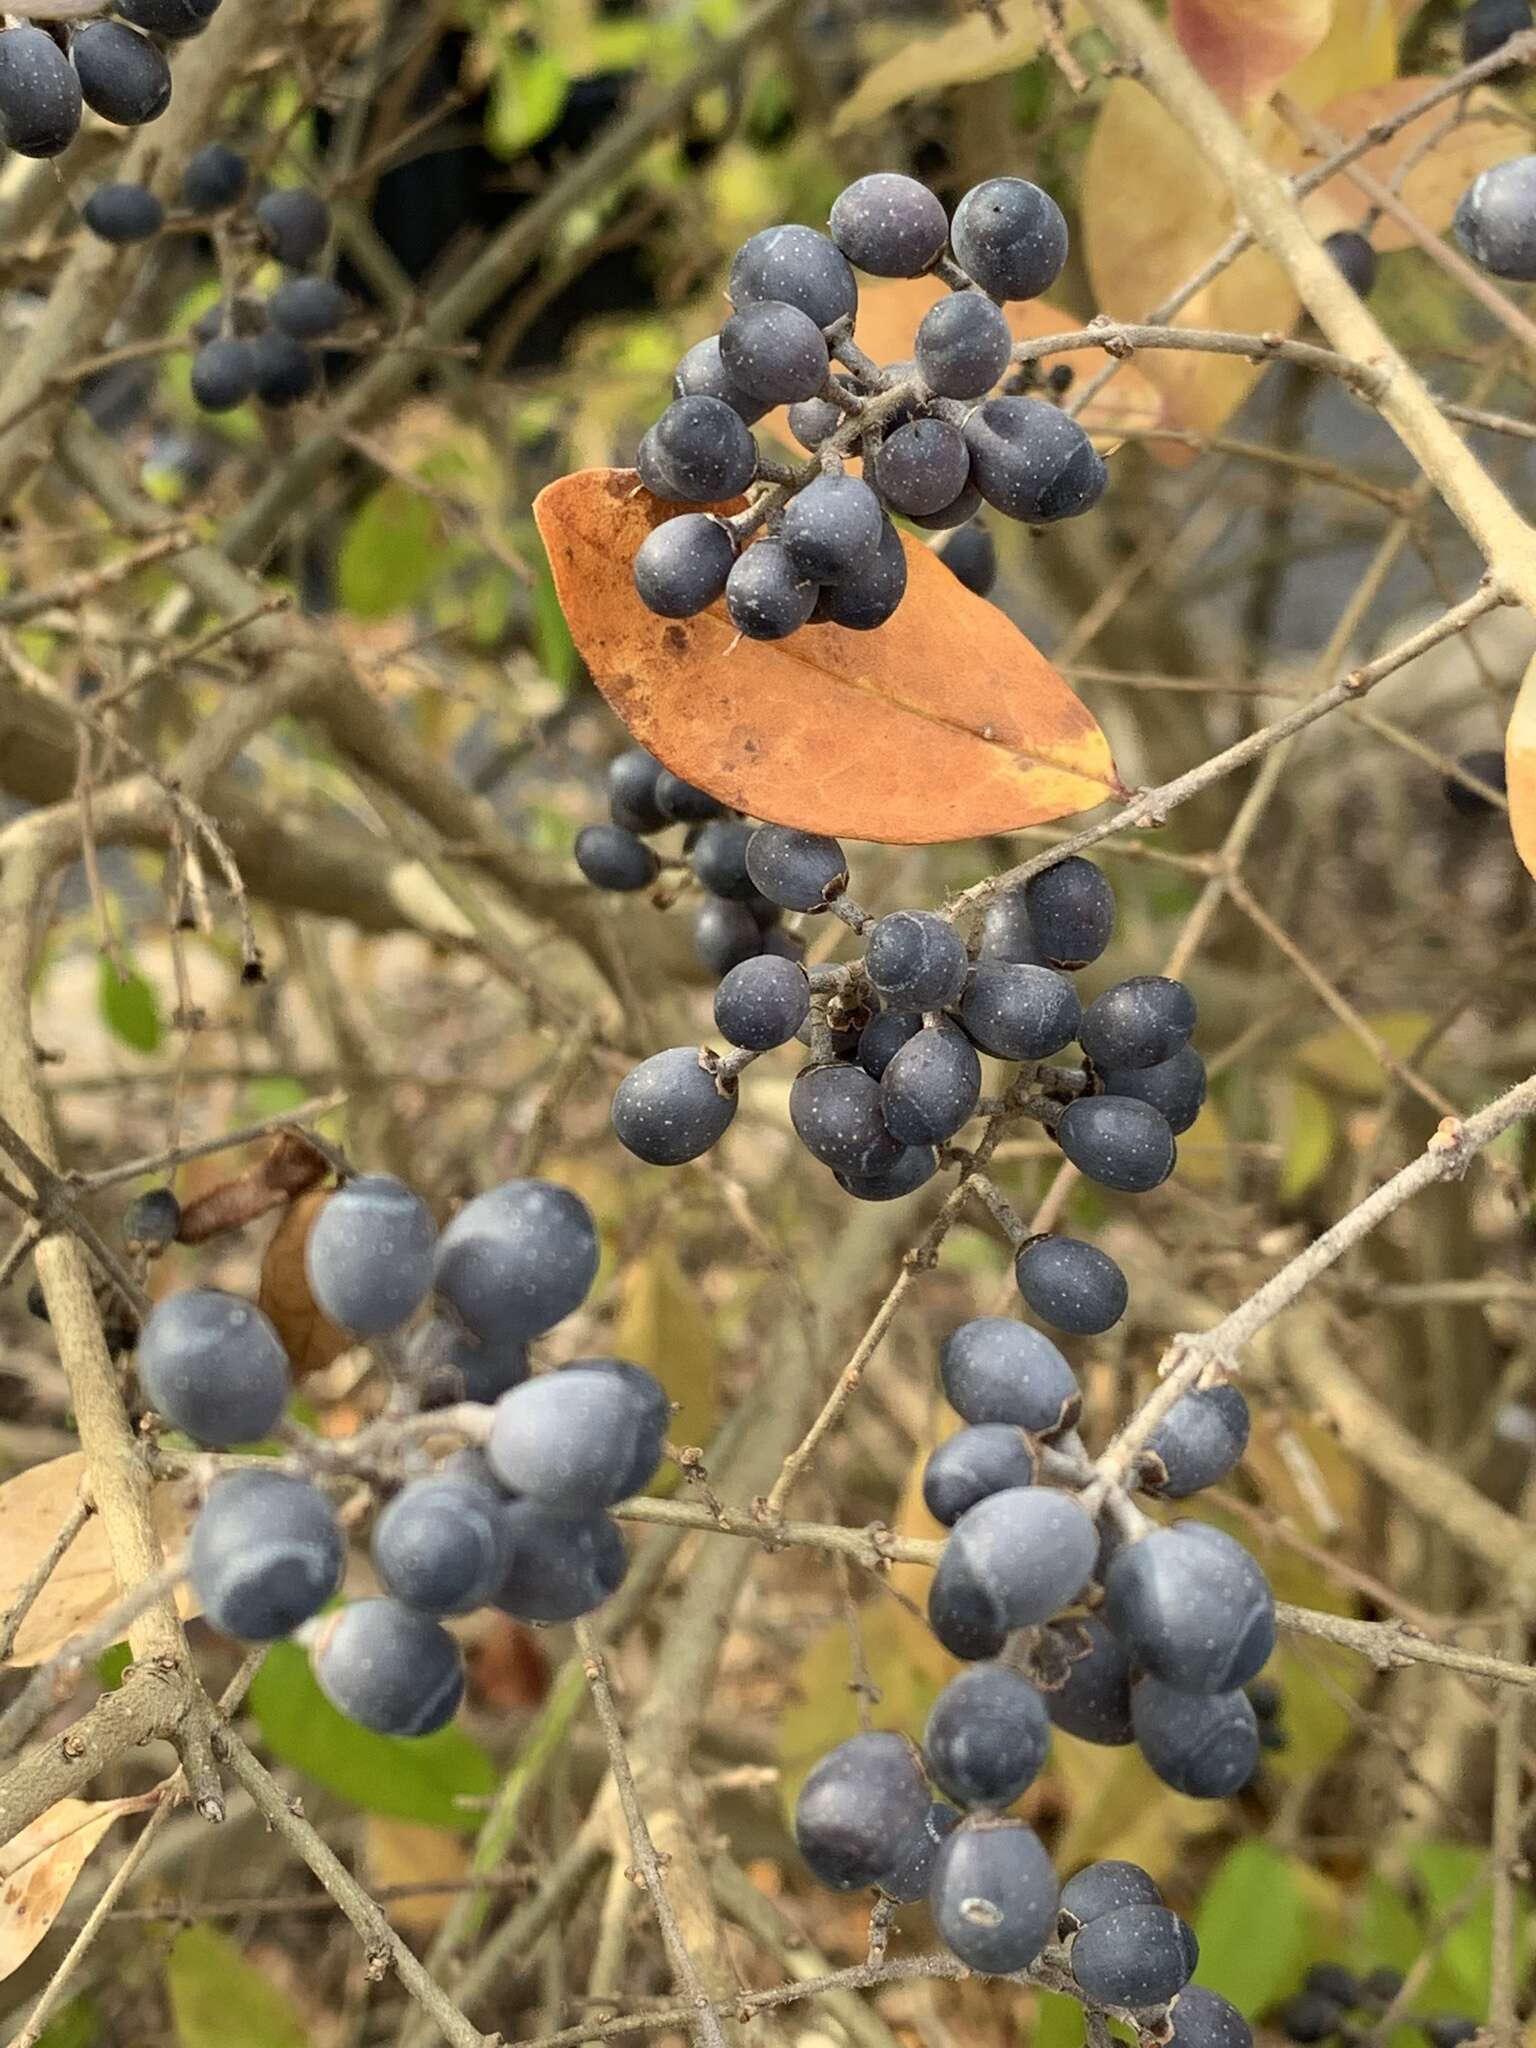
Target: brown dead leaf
[[310, 1338], [399, 1853], [39, 1866], [83, 1586], [506, 1663], [1437, 177], [944, 724], [289, 1165], [1243, 48], [1520, 770]]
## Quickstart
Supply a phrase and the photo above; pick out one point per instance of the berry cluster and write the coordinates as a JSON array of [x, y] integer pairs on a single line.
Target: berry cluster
[[1333, 1999], [246, 346], [50, 73], [934, 445], [518, 1520]]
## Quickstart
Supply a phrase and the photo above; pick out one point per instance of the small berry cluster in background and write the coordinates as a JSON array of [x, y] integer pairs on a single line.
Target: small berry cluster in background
[[50, 73], [934, 446], [1333, 2000]]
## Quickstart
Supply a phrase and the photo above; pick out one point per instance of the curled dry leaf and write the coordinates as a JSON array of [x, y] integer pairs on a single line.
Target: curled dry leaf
[[1243, 48], [289, 1165], [972, 49], [309, 1336], [1520, 769], [83, 1586], [39, 1866], [943, 724]]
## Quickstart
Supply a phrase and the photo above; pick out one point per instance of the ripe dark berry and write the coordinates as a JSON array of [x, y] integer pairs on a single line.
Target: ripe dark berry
[[1107, 1887], [669, 1109], [1332, 1980], [152, 1220], [123, 213], [718, 857], [860, 1808], [836, 1112], [39, 93], [1175, 1086], [701, 374], [1010, 237], [1094, 1703], [1449, 2029], [286, 371], [559, 1567], [308, 307], [223, 374], [368, 1256], [766, 595], [1488, 25], [832, 528], [1381, 1986], [1118, 1142], [993, 1895], [706, 451], [910, 1879], [1309, 2017], [976, 1461], [913, 1167], [681, 567], [459, 1367], [796, 870], [612, 858], [1033, 461], [578, 1440], [685, 803], [266, 1552], [213, 1366], [1203, 1745], [883, 1037], [762, 1003], [795, 266], [1018, 1012], [813, 419], [1071, 912], [971, 555], [1012, 1561], [1006, 932], [1198, 1442], [995, 1370], [1137, 1955], [123, 76], [1071, 1285], [1355, 258], [963, 345], [438, 1545], [725, 934], [889, 225], [294, 223], [916, 960], [213, 179], [931, 1086], [172, 19], [1496, 220], [1192, 1607], [922, 467], [775, 352], [1204, 2019], [631, 780], [987, 1736], [1485, 766], [517, 1260], [389, 1668], [867, 599]]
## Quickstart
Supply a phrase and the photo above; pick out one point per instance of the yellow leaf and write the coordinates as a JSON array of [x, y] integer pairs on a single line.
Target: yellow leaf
[[39, 1866], [969, 51], [1339, 1056], [82, 1587], [1205, 1149], [1119, 1807], [662, 1326], [1310, 1133], [1137, 255], [404, 1852], [1359, 50]]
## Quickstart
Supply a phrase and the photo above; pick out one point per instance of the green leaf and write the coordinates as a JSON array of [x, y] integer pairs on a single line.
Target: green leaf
[[1447, 1871], [1254, 1887], [1338, 1056], [74, 2026], [274, 1093], [1311, 1131], [392, 551], [528, 94], [1058, 2021], [552, 640], [219, 2000], [128, 1007], [412, 1777]]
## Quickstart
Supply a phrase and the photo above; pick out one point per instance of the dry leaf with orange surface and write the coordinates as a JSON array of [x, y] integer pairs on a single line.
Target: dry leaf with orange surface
[[1243, 48], [1434, 160], [1520, 769], [945, 723], [38, 1868], [310, 1338]]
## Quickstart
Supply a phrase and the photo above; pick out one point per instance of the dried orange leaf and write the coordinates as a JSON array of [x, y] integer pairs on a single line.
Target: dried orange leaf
[[39, 1866], [1520, 769], [83, 1586], [401, 1854], [309, 1336], [1243, 48], [1139, 255], [943, 724], [1435, 176]]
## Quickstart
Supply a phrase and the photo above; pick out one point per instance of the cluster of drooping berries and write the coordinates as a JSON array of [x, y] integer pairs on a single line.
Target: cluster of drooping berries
[[1333, 2001], [934, 446], [50, 72], [246, 346], [517, 1519]]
